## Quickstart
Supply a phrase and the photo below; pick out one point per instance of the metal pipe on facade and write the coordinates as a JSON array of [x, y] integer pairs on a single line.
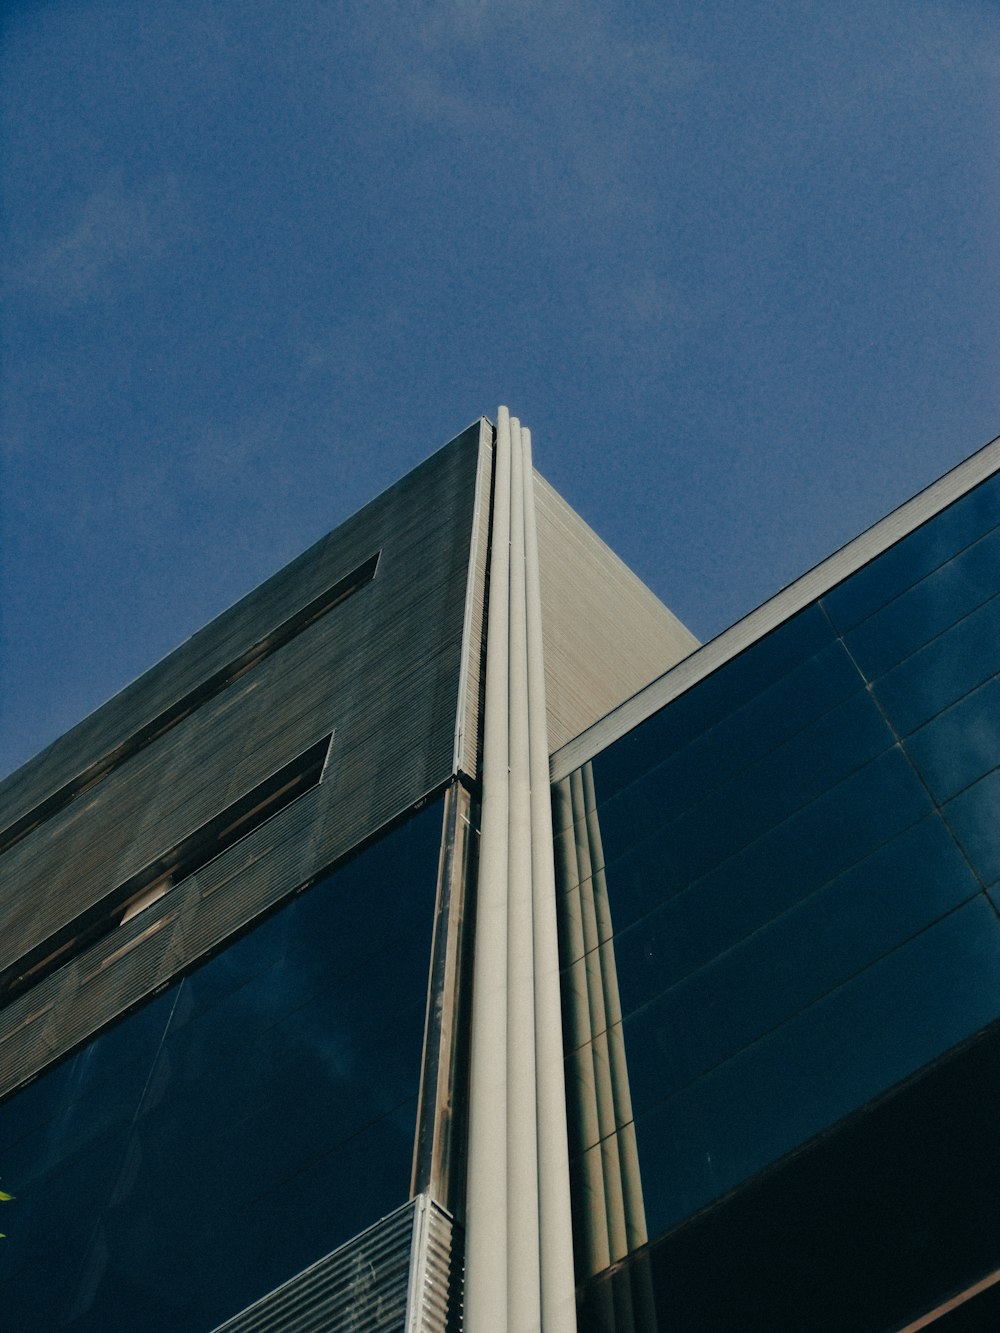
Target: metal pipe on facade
[[486, 1193], [523, 1284], [558, 1300], [519, 1247]]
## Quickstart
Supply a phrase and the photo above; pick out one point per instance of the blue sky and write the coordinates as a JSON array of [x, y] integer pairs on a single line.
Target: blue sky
[[734, 263]]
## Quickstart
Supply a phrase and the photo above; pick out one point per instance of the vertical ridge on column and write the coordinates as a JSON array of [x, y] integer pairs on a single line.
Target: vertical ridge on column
[[558, 1298], [486, 1192], [523, 1283], [519, 1248]]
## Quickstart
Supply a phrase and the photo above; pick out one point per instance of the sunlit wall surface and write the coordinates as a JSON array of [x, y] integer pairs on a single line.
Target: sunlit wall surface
[[242, 1124], [802, 856]]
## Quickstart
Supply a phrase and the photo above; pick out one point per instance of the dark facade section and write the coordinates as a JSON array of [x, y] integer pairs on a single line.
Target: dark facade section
[[379, 666], [798, 866], [230, 1132], [197, 697], [427, 515]]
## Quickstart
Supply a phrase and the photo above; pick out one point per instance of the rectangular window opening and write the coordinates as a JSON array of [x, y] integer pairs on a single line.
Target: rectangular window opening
[[148, 886]]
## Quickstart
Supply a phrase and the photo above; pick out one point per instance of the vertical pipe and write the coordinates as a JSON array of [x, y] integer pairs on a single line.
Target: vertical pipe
[[486, 1194], [555, 1216], [519, 1262], [442, 1106], [523, 1283]]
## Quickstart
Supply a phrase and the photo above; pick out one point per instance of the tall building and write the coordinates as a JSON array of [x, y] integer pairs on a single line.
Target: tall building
[[442, 938]]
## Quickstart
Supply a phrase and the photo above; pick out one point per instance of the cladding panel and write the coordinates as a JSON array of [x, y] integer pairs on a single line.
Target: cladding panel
[[605, 634], [382, 671], [423, 501]]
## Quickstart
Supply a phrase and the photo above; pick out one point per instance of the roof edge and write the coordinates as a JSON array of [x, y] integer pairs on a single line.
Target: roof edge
[[896, 525]]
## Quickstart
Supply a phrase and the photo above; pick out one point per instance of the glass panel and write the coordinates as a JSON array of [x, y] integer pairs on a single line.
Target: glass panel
[[247, 1121], [721, 693], [98, 1069], [961, 744], [929, 608], [915, 556], [787, 862], [748, 735], [796, 927], [868, 1227], [748, 805], [942, 672], [841, 1052], [316, 941], [975, 818], [859, 915]]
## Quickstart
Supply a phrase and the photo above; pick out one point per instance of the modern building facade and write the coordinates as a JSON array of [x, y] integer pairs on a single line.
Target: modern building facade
[[442, 938]]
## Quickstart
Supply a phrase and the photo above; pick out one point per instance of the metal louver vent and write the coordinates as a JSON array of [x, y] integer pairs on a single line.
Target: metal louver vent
[[402, 1275]]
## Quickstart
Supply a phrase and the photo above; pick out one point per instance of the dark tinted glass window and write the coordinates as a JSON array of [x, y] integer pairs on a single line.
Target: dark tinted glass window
[[941, 673], [785, 868], [828, 1060], [863, 1231], [934, 604], [926, 549], [975, 817], [729, 688], [748, 987], [960, 745], [242, 1124]]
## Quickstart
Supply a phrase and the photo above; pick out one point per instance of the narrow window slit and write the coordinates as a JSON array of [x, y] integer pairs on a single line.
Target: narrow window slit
[[201, 694], [145, 888]]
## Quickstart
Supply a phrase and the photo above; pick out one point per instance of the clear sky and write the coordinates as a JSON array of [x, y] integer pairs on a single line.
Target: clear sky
[[734, 263]]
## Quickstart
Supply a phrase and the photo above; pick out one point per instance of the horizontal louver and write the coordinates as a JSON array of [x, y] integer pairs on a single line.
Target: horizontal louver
[[401, 1274]]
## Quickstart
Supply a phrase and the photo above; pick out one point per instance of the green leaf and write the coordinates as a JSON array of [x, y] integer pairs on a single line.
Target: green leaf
[[5, 1197]]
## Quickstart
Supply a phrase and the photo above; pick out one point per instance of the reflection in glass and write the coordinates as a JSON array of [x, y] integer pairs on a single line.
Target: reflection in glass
[[909, 560], [243, 1123], [920, 614], [943, 671], [961, 744], [795, 852], [608, 1187]]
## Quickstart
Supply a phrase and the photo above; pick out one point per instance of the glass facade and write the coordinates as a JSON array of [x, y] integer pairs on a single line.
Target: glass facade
[[238, 1126], [870, 1227], [793, 874]]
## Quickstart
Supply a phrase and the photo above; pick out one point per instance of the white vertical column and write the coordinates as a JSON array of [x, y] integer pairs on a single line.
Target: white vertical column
[[523, 1283], [558, 1300], [519, 1247], [486, 1194]]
